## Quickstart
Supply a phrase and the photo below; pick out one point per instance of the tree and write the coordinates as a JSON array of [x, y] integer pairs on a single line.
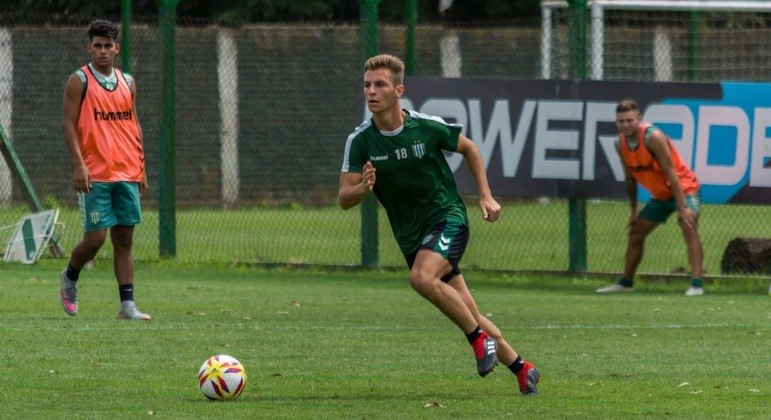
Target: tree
[[281, 10]]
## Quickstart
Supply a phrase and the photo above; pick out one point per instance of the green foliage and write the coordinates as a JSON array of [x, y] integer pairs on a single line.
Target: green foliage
[[362, 344], [281, 10]]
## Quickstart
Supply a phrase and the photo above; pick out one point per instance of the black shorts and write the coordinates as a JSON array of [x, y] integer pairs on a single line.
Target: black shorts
[[448, 239]]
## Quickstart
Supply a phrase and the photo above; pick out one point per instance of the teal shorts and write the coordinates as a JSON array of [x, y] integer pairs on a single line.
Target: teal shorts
[[110, 203], [659, 210]]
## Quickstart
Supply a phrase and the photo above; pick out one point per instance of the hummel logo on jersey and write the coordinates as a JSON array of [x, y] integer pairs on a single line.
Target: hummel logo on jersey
[[444, 243], [419, 149], [112, 115]]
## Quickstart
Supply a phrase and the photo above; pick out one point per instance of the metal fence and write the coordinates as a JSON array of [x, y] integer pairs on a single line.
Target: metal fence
[[268, 194]]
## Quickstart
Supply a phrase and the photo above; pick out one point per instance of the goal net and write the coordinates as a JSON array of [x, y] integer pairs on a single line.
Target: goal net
[[652, 40]]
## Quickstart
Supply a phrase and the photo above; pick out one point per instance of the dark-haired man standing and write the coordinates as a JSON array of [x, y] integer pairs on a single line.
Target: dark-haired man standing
[[104, 141]]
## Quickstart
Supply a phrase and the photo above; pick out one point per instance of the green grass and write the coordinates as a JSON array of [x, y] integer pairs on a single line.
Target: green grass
[[362, 344]]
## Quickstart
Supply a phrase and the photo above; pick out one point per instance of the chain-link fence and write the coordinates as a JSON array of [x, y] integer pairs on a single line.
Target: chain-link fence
[[680, 46], [263, 111]]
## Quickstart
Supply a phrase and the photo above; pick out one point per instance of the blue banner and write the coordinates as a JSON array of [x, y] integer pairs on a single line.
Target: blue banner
[[556, 137]]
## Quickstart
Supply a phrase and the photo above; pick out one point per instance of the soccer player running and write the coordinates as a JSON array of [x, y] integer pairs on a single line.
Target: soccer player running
[[397, 154], [104, 141], [650, 158]]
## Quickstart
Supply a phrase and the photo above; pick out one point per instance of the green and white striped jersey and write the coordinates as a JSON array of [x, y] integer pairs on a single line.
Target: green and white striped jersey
[[107, 82], [413, 182]]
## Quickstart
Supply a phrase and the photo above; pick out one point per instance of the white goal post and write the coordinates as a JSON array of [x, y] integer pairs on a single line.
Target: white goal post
[[597, 30]]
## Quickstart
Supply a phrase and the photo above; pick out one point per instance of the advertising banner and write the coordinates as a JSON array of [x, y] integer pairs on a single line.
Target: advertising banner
[[556, 138]]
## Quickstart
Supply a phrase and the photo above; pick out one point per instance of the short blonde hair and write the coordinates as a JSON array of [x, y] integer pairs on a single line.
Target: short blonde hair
[[388, 62], [627, 105]]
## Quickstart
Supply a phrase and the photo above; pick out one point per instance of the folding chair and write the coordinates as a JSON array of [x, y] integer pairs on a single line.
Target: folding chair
[[30, 236]]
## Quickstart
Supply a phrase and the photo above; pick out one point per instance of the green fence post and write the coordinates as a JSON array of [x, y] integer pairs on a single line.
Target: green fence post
[[14, 163], [369, 228], [412, 22], [125, 44], [167, 203], [577, 69]]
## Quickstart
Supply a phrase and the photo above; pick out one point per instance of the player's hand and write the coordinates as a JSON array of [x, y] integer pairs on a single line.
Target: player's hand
[[491, 210], [368, 176], [632, 220], [686, 217], [82, 180], [143, 187]]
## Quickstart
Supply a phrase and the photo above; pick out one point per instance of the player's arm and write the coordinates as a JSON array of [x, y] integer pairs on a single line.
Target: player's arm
[[630, 185], [491, 210], [143, 185], [659, 147], [73, 93], [354, 186]]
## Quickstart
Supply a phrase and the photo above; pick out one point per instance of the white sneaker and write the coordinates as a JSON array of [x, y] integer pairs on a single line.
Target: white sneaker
[[615, 288], [131, 312], [694, 291]]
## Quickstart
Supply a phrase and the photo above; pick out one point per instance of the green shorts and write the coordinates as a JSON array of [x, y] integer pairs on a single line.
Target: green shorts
[[448, 239], [659, 210], [110, 203]]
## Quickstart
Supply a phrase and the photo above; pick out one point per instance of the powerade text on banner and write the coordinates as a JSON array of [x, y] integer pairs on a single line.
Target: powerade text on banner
[[556, 138]]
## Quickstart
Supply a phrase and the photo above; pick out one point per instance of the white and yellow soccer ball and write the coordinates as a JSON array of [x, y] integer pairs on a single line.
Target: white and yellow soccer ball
[[222, 377]]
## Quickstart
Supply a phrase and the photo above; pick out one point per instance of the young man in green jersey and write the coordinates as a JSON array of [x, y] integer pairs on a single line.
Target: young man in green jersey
[[397, 154]]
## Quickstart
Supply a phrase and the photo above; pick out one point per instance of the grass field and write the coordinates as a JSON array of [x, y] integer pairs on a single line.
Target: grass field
[[362, 344]]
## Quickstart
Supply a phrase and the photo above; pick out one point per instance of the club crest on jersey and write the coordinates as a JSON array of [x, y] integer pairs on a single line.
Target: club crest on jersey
[[418, 149]]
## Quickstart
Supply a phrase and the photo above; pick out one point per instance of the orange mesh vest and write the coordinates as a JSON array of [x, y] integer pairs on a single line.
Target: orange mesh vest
[[108, 132], [646, 170]]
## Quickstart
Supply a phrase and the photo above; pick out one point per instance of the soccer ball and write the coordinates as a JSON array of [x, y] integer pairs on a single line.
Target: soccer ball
[[222, 377]]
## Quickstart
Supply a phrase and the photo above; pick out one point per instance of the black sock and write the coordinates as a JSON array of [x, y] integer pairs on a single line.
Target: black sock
[[517, 365], [473, 335], [126, 292], [72, 273], [626, 282]]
